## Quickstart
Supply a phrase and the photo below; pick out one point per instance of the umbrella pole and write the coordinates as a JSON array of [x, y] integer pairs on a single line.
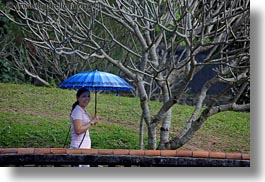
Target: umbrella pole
[[95, 103]]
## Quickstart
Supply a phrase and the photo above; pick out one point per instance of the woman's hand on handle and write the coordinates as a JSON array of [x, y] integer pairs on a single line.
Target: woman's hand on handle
[[95, 120]]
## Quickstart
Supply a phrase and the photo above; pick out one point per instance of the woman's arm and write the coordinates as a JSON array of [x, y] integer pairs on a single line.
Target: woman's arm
[[79, 127]]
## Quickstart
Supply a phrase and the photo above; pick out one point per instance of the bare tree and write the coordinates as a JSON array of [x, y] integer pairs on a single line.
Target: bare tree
[[141, 38]]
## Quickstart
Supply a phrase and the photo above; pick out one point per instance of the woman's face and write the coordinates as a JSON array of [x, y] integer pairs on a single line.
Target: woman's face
[[84, 99]]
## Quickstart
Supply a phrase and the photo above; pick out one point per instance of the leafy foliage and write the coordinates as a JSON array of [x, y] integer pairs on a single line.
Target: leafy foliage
[[10, 35], [8, 74]]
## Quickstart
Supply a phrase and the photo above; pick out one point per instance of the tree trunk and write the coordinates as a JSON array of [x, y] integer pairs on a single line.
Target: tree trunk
[[146, 115], [165, 128], [164, 131], [141, 140]]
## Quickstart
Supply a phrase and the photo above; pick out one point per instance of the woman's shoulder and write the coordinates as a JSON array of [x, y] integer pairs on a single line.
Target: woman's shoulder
[[77, 112], [77, 109]]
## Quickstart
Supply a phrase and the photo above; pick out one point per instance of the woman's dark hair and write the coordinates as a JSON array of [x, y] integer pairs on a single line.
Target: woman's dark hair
[[78, 93]]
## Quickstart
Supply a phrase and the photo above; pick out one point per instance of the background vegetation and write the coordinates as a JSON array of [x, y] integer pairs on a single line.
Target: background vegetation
[[33, 116]]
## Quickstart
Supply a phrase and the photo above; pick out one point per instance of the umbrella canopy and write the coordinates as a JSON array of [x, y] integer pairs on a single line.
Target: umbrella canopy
[[95, 80]]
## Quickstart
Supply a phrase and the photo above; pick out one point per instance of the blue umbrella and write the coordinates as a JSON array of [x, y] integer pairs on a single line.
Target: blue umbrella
[[95, 80]]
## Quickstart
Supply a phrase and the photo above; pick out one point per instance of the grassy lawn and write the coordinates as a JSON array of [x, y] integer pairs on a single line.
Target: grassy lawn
[[33, 116]]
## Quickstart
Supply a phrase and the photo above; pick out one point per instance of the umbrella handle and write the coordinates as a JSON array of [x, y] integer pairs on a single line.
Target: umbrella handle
[[95, 103]]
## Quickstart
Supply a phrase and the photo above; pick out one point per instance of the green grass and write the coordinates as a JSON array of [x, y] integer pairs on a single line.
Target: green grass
[[24, 130], [33, 116], [20, 130]]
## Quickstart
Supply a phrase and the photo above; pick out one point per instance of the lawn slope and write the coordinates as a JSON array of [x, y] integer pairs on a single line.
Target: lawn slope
[[33, 116]]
